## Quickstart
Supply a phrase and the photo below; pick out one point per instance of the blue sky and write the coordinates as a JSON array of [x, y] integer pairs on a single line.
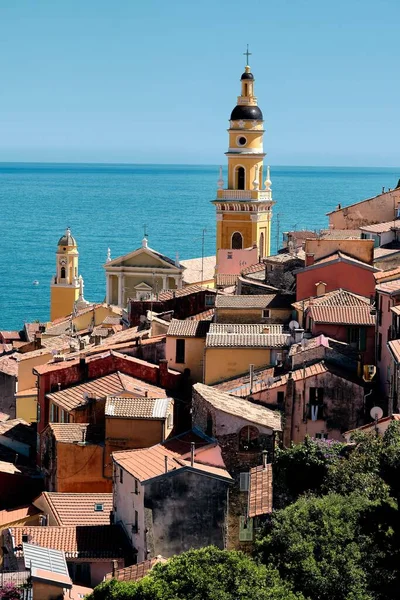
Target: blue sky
[[155, 81]]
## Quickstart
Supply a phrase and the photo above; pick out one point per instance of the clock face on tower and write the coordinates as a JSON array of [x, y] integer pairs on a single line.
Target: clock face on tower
[[63, 262]]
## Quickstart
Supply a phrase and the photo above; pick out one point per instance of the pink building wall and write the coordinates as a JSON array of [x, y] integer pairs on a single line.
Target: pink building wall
[[353, 278], [232, 262], [384, 359], [339, 332]]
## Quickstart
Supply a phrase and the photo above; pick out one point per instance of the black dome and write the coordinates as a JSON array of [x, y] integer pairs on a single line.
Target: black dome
[[247, 76], [250, 113]]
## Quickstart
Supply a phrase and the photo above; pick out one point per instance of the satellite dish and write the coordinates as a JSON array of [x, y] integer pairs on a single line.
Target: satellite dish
[[376, 413], [293, 325]]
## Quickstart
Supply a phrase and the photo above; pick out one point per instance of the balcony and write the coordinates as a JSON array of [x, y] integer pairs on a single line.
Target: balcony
[[264, 195]]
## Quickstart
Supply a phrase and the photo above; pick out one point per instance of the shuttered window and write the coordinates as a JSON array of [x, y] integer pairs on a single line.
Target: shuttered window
[[245, 529], [244, 482]]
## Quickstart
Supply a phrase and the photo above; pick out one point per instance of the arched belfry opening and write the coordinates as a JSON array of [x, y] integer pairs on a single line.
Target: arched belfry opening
[[240, 178], [237, 241]]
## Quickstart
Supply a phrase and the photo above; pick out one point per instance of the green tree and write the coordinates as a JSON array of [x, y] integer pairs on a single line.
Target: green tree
[[335, 547], [205, 574]]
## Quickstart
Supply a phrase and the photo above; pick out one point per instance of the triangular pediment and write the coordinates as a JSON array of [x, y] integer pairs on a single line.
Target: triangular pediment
[[143, 287], [144, 257]]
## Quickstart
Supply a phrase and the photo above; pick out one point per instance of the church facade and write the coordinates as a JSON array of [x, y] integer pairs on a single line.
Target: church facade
[[244, 206]]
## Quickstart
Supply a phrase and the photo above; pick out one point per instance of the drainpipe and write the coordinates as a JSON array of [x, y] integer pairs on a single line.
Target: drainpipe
[[166, 463], [251, 371]]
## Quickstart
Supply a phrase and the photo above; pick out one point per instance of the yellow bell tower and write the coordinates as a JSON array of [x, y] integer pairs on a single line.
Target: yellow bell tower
[[65, 285], [244, 207]]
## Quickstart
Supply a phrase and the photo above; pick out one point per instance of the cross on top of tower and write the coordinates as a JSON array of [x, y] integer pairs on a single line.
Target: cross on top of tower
[[247, 54]]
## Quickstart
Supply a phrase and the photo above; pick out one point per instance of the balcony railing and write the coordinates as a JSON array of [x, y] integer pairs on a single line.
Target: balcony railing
[[244, 195]]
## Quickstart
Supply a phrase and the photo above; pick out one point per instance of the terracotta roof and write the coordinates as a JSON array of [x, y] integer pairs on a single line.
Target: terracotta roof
[[101, 332], [12, 515], [193, 269], [238, 340], [394, 346], [30, 330], [74, 396], [250, 328], [186, 291], [111, 320], [382, 252], [309, 344], [6, 348], [396, 309], [338, 297], [79, 509], [226, 279], [342, 315], [126, 335], [244, 301], [244, 409], [253, 269], [340, 256], [260, 491], [136, 572], [340, 234], [149, 463], [389, 287], [70, 433], [138, 408], [391, 273], [188, 328], [4, 417], [206, 315], [381, 227], [284, 257], [92, 541], [19, 430], [9, 366], [10, 335], [240, 386], [28, 392], [60, 342]]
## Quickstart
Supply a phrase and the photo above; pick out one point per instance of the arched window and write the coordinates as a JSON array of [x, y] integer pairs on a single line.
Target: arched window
[[249, 438], [62, 272], [237, 241], [261, 250], [240, 178]]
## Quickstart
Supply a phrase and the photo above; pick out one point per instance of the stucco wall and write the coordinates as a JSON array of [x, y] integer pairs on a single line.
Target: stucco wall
[[379, 209], [360, 249], [253, 315], [224, 363], [125, 502], [350, 277], [188, 510], [194, 352]]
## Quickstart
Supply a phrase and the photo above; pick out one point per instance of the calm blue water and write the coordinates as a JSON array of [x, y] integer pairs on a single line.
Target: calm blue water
[[107, 205]]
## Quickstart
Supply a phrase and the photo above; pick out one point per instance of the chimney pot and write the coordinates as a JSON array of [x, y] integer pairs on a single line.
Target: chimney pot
[[265, 459]]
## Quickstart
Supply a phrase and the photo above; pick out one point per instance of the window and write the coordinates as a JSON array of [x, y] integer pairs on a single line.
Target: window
[[98, 507], [244, 482], [245, 529], [321, 436], [64, 417], [135, 525], [316, 403], [280, 397], [180, 351], [136, 486], [249, 438], [53, 413], [230, 255], [121, 476], [209, 300], [240, 178], [237, 241], [266, 313], [62, 273], [356, 337]]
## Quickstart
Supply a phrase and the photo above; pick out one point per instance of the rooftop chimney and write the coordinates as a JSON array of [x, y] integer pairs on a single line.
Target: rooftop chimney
[[166, 463], [264, 459], [298, 335], [192, 446]]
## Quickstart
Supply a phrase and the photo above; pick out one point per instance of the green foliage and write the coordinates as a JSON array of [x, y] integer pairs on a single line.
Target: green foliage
[[206, 574], [302, 468], [319, 545]]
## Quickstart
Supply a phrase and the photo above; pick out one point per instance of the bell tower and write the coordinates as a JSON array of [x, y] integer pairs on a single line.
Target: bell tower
[[65, 286], [244, 206]]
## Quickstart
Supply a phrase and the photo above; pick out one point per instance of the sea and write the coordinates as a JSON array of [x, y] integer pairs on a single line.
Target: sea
[[113, 205]]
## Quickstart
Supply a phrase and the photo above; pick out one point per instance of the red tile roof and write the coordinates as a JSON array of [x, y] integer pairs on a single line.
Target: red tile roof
[[391, 274], [394, 346], [186, 291], [206, 315], [342, 315], [153, 462], [79, 509], [136, 572], [9, 366], [240, 386], [260, 491], [10, 335], [340, 256], [253, 269], [92, 541], [13, 515], [389, 287], [381, 227], [72, 397], [187, 328], [338, 297], [138, 408], [70, 433]]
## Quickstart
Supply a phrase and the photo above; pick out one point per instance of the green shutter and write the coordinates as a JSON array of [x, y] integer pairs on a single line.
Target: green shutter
[[363, 339], [245, 529]]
